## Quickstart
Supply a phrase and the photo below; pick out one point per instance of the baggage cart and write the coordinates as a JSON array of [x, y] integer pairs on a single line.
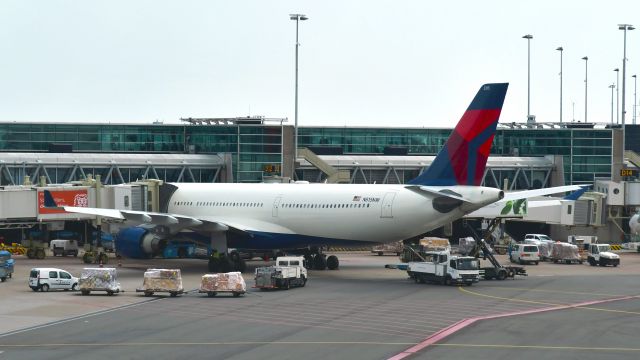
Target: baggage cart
[[6, 265], [231, 282], [99, 279], [162, 280]]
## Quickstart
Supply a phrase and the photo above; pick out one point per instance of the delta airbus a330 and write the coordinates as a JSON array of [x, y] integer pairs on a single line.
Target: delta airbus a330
[[286, 216]]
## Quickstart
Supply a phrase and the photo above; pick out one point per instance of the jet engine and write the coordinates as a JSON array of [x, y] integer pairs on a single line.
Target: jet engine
[[139, 243], [634, 224]]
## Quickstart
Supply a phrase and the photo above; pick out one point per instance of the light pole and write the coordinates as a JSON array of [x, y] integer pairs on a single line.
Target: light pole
[[611, 87], [617, 95], [528, 37], [624, 27], [560, 49], [586, 62], [297, 18], [635, 87]]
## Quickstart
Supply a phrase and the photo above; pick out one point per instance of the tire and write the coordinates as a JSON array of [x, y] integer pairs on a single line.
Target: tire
[[148, 293], [34, 288], [379, 253], [211, 294], [236, 294], [173, 294], [110, 293], [521, 262], [240, 265], [319, 262], [40, 254], [304, 281], [30, 254], [502, 274], [535, 262], [615, 265], [3, 279], [286, 285], [44, 288], [234, 256], [74, 287], [447, 280], [591, 261], [332, 262], [85, 292]]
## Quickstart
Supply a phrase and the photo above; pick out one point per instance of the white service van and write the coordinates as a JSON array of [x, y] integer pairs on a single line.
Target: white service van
[[45, 279], [63, 247]]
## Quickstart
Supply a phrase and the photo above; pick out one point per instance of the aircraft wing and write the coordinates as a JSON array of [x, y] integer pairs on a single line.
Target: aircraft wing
[[525, 194]]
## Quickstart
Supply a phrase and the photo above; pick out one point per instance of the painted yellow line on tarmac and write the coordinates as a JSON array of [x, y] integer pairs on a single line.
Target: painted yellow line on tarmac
[[555, 291], [508, 299], [540, 347], [230, 343], [547, 303]]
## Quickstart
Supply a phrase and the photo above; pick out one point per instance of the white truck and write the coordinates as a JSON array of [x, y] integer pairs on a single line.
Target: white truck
[[289, 271], [441, 267], [600, 254]]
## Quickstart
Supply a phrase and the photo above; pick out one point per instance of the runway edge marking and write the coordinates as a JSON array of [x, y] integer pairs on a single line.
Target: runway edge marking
[[454, 328]]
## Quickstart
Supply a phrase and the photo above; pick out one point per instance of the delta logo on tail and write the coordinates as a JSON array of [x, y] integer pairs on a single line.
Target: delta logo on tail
[[463, 158]]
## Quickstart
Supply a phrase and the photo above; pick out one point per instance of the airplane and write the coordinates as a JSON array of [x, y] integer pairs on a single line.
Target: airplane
[[288, 216], [634, 224]]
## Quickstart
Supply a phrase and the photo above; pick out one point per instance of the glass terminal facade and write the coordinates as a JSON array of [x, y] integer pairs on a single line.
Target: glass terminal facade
[[587, 153], [257, 150]]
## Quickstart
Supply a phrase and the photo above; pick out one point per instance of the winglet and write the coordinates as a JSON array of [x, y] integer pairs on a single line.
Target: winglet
[[463, 158], [576, 194]]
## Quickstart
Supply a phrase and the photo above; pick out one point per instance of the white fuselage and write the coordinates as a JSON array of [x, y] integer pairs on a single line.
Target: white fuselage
[[345, 212]]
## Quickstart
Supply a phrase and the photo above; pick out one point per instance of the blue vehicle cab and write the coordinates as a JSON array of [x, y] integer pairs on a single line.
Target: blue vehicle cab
[[6, 265]]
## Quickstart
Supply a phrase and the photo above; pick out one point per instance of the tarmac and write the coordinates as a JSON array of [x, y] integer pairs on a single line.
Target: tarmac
[[361, 311]]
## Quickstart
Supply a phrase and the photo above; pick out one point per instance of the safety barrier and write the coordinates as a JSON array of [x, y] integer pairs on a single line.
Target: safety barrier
[[616, 247], [14, 249]]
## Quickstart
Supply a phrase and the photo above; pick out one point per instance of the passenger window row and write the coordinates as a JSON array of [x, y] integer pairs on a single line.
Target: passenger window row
[[215, 203], [325, 206]]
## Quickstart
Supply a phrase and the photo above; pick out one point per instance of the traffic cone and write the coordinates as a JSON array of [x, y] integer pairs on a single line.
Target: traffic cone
[[101, 264]]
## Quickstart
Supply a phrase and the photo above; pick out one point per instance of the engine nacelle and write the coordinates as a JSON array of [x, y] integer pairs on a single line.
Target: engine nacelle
[[634, 224], [139, 243]]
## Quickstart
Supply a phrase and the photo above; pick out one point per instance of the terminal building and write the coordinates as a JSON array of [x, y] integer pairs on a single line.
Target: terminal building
[[256, 149]]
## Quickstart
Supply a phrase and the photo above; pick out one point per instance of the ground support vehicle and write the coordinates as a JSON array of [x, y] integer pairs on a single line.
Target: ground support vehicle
[[565, 253], [162, 280], [288, 272], [6, 265], [231, 282], [99, 279], [496, 271], [525, 253], [45, 279], [445, 269], [394, 248], [179, 249], [35, 249], [94, 255], [600, 254], [64, 247]]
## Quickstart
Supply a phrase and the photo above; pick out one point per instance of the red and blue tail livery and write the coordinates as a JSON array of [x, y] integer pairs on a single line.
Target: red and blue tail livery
[[463, 158]]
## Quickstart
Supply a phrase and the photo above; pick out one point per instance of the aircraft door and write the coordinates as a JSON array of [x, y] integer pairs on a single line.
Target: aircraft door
[[387, 204], [276, 205]]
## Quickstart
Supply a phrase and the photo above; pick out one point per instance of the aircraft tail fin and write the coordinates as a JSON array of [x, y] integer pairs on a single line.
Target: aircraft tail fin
[[463, 158]]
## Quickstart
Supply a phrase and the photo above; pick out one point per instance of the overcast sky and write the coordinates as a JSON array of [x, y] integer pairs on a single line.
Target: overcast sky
[[362, 63]]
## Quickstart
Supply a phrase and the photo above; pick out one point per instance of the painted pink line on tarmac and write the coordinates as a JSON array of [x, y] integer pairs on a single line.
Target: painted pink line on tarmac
[[452, 329]]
